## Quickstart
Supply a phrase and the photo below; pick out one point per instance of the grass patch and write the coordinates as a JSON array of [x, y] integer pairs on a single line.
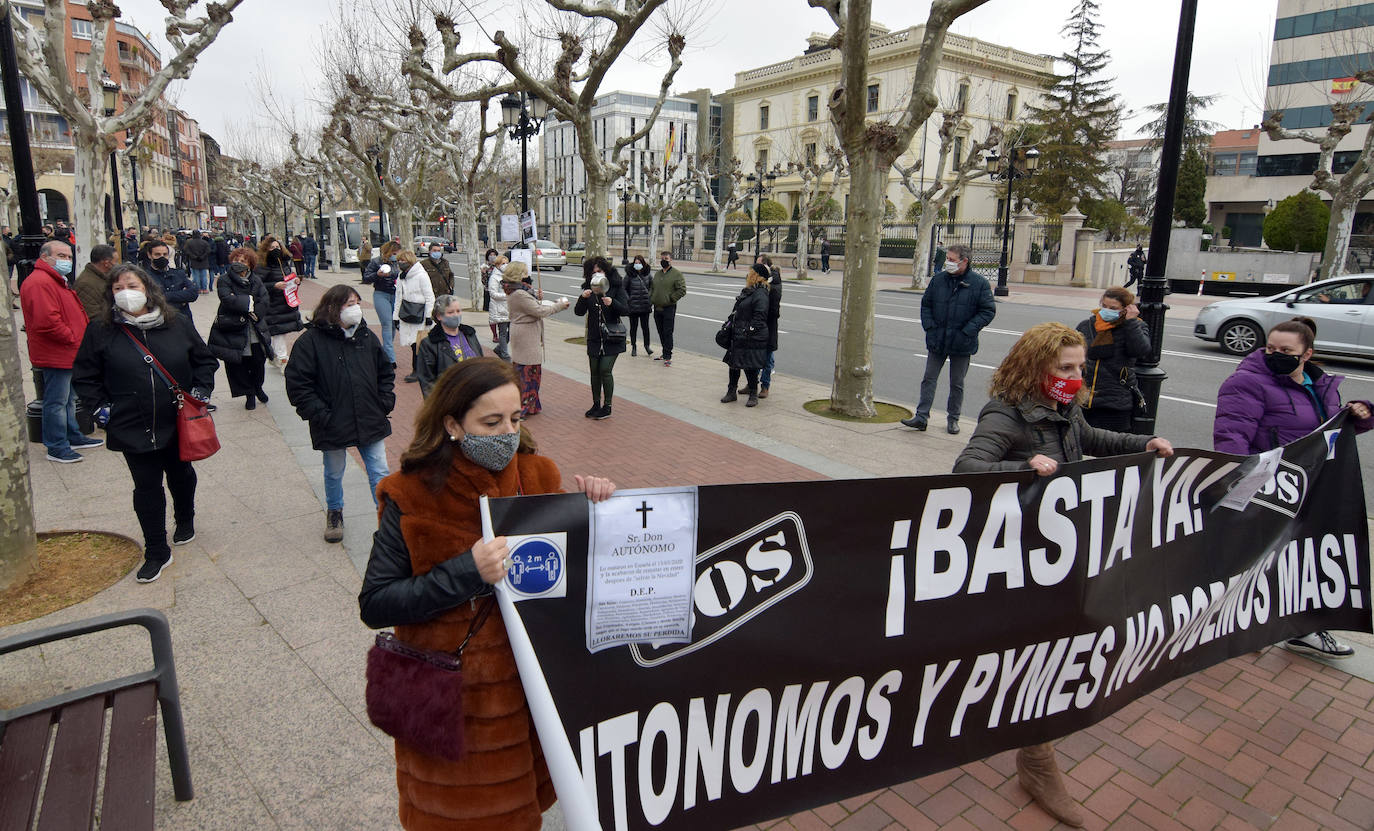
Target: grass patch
[[580, 340], [72, 566], [887, 413]]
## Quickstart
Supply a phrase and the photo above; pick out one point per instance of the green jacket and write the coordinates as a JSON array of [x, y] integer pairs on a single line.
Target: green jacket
[[669, 287]]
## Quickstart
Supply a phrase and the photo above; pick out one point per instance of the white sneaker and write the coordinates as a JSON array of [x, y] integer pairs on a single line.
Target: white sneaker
[[1319, 643]]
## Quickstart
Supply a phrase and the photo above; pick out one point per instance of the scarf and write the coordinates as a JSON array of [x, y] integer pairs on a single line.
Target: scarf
[[151, 320], [1104, 329]]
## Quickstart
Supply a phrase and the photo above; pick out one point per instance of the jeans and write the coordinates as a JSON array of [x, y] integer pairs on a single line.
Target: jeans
[[309, 265], [766, 376], [958, 368], [59, 412], [637, 322], [374, 459], [664, 319], [150, 501], [825, 263], [385, 304], [201, 277], [503, 340]]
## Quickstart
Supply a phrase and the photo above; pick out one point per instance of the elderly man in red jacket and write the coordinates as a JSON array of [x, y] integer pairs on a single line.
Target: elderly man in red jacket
[[55, 321]]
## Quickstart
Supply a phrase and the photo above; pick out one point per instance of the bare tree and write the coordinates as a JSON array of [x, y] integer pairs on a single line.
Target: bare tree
[[43, 60], [598, 32], [871, 148], [733, 172], [663, 189], [18, 541], [45, 160], [1347, 189], [814, 192], [934, 198]]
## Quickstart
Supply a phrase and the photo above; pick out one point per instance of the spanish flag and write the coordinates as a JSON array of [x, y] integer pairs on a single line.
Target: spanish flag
[[668, 153], [1343, 85]]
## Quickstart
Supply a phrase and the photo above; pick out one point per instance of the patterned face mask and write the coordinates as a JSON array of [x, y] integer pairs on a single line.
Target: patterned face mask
[[491, 452]]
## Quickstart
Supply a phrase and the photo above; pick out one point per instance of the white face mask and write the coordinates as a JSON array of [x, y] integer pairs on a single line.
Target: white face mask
[[351, 316], [131, 300], [951, 266]]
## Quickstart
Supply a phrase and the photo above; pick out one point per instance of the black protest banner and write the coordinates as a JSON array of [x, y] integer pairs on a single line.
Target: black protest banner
[[850, 635]]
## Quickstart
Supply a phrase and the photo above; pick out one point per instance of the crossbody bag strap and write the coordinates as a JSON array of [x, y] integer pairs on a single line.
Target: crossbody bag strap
[[153, 362], [477, 623]]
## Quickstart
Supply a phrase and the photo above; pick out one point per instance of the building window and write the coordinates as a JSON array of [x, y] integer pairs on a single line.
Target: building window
[[763, 160], [1011, 106], [763, 117], [963, 96], [813, 107], [872, 98], [83, 29], [958, 156], [811, 153], [953, 209]]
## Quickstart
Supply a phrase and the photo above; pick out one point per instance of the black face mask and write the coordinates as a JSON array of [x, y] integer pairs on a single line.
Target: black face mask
[[238, 268], [1281, 364], [667, 264], [160, 263]]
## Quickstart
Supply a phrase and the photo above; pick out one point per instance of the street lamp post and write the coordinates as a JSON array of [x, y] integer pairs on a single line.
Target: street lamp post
[[111, 93], [624, 221], [523, 116], [320, 225], [1000, 167], [30, 239], [759, 186]]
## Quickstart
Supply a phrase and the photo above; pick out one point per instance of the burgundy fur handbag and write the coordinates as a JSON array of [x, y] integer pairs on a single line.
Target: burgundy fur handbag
[[416, 695]]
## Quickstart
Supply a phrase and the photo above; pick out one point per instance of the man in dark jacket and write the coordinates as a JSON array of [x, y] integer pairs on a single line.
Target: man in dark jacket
[[92, 282], [439, 271], [198, 250], [222, 251], [669, 287], [175, 285], [1135, 265], [954, 309], [312, 250]]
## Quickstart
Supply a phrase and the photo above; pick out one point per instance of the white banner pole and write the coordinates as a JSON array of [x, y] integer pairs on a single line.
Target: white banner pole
[[579, 807]]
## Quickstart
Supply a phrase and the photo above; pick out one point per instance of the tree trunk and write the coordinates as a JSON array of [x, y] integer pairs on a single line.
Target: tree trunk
[[467, 226], [718, 258], [402, 222], [598, 194], [18, 545], [88, 191], [852, 391], [920, 258], [1338, 235], [803, 239], [653, 237]]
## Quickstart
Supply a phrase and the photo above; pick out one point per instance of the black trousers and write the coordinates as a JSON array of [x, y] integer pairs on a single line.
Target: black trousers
[[750, 375], [246, 376], [640, 321], [664, 320], [150, 501]]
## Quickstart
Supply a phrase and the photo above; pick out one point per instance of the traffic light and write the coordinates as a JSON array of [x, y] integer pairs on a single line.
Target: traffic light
[[608, 215]]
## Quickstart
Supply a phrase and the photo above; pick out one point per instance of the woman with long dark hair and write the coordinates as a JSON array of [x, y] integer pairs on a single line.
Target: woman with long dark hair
[[603, 301], [1034, 421], [639, 285], [111, 371], [274, 270], [430, 574], [239, 336], [340, 380]]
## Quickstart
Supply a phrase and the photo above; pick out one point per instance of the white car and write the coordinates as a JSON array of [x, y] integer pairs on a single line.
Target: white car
[[1341, 308]]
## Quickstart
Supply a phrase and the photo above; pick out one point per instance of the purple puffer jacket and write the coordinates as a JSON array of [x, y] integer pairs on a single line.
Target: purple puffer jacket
[[1258, 410]]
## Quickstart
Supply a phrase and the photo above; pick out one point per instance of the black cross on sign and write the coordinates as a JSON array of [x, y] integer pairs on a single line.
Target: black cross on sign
[[644, 510]]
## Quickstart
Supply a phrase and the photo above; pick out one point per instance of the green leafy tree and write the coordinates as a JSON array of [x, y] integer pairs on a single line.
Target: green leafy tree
[[827, 211], [1078, 116], [1298, 223], [1108, 215], [634, 211], [771, 211], [685, 211], [1190, 197], [1197, 131]]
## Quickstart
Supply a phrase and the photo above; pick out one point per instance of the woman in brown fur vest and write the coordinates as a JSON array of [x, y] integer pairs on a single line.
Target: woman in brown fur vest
[[429, 565]]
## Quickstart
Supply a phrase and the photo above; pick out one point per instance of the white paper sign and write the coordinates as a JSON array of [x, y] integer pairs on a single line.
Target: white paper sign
[[1271, 277], [1257, 477], [510, 228], [642, 546], [523, 255], [528, 227]]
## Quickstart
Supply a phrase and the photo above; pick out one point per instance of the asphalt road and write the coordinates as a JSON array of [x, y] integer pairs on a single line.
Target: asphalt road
[[810, 317]]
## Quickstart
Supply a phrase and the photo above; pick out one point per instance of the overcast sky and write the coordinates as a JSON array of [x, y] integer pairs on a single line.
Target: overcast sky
[[279, 40]]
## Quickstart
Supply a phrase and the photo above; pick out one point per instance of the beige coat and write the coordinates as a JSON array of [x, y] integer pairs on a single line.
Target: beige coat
[[527, 326]]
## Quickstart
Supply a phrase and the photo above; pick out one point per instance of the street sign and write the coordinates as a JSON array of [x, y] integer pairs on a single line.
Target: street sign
[[510, 228], [220, 212], [528, 226]]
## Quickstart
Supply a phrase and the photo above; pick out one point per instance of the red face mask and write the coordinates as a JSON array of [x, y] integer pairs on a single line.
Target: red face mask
[[1062, 389]]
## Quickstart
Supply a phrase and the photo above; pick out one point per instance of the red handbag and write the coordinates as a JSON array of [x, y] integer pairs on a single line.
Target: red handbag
[[196, 438]]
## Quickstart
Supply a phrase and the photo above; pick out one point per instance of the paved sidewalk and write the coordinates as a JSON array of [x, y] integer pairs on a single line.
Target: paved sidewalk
[[270, 649]]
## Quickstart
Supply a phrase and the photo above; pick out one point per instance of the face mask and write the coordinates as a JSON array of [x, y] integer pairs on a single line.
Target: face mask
[[434, 255], [64, 267], [131, 300], [491, 452], [452, 321], [1108, 315], [1062, 389], [491, 259], [160, 263], [1281, 364], [951, 267], [639, 266], [238, 268], [351, 316], [667, 264], [391, 260]]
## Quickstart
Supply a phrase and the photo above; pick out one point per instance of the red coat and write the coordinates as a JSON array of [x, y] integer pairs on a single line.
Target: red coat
[[54, 318]]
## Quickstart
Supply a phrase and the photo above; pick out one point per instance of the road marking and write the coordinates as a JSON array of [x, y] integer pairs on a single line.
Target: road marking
[[1187, 401]]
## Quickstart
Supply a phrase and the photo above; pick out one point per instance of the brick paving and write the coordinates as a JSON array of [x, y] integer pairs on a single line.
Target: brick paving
[[1268, 740]]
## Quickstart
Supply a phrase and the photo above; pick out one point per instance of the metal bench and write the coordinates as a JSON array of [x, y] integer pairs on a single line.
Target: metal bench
[[51, 751]]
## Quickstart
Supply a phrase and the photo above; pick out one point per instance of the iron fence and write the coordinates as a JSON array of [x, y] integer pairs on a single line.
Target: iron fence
[[1045, 243], [1359, 258]]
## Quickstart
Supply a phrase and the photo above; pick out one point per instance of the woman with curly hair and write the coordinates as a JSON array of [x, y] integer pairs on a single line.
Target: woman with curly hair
[[1034, 420]]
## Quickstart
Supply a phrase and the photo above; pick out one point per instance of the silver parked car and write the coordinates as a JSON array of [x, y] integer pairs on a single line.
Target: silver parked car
[[1341, 308], [550, 254]]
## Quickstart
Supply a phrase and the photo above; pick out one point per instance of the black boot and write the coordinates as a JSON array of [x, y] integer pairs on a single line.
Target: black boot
[[730, 395], [753, 398]]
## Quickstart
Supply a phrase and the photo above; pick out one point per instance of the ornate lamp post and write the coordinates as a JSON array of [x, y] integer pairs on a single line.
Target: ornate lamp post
[[624, 193], [523, 116], [111, 93], [30, 238], [1000, 167], [759, 186]]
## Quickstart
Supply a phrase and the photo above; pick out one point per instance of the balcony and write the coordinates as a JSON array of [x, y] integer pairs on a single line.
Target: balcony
[[127, 58]]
